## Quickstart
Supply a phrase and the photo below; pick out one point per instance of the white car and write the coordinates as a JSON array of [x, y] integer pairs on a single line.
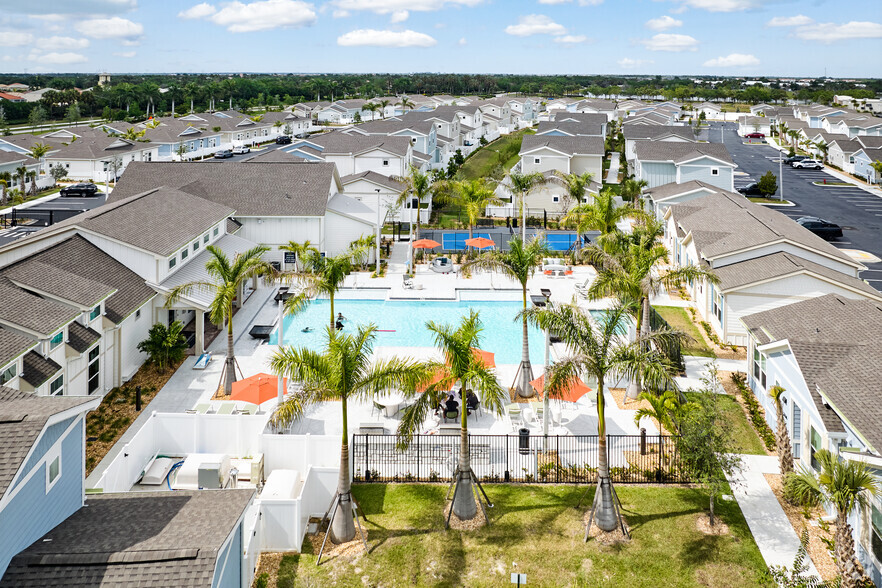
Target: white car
[[241, 150], [807, 164]]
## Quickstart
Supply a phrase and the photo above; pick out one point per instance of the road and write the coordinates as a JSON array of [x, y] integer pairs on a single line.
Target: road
[[55, 210], [857, 211]]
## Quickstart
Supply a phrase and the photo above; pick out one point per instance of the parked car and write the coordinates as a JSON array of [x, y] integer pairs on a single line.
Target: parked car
[[794, 158], [223, 154], [283, 140], [750, 190], [80, 190], [755, 136], [820, 227], [241, 150], [807, 164]]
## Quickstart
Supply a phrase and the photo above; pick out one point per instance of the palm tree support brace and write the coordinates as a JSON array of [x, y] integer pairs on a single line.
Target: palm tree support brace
[[331, 513], [458, 476], [617, 504]]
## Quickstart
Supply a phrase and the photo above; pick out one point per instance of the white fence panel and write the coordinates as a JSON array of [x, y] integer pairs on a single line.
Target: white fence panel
[[282, 530]]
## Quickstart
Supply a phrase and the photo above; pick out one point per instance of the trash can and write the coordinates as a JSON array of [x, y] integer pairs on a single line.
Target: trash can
[[524, 440]]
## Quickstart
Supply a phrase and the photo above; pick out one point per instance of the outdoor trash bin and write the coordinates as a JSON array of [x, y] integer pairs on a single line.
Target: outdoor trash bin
[[524, 440]]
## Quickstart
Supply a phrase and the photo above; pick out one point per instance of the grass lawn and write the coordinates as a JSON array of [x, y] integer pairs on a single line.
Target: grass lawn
[[763, 200], [536, 531], [679, 319], [481, 163], [746, 439]]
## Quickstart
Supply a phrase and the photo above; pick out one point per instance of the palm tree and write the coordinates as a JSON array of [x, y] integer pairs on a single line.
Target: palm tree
[[600, 215], [846, 485], [662, 409], [631, 191], [417, 186], [321, 276], [405, 103], [383, 104], [227, 278], [371, 107], [133, 134], [877, 167], [631, 274], [465, 366], [785, 451], [164, 346], [257, 118], [341, 372], [5, 179], [32, 176], [474, 196], [597, 351], [794, 137], [39, 151], [300, 250], [575, 184], [523, 184], [519, 263]]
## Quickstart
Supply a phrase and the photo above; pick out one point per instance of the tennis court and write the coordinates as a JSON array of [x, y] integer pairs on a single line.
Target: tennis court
[[456, 241], [561, 241]]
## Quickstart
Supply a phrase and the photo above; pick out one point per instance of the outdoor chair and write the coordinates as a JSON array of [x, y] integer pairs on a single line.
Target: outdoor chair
[[248, 409], [226, 408], [451, 415], [378, 408], [200, 408]]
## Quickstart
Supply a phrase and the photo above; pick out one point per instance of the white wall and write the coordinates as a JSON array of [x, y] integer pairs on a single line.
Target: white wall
[[840, 266], [340, 231]]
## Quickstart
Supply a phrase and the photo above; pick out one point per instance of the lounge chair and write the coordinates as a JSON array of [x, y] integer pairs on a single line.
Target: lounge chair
[[226, 408], [248, 409], [202, 362], [199, 409]]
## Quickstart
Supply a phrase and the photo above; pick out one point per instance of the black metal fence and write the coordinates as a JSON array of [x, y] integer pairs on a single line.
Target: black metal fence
[[556, 459]]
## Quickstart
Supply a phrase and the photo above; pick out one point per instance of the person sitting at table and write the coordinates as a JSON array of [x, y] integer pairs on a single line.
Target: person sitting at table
[[471, 401]]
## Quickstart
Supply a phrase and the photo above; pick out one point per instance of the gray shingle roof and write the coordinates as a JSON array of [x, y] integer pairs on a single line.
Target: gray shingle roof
[[375, 177], [7, 157], [32, 313], [657, 131], [836, 343], [271, 155], [80, 337], [343, 143], [38, 369], [12, 345], [248, 188], [672, 189], [22, 417], [35, 275], [588, 118], [576, 128], [680, 152], [134, 539], [870, 142], [569, 145]]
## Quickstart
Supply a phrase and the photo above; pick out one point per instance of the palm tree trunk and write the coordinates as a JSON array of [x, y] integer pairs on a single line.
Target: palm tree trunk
[[785, 453], [464, 505], [523, 216], [605, 515], [230, 375], [333, 325], [525, 390], [635, 386], [844, 551], [343, 526], [712, 508]]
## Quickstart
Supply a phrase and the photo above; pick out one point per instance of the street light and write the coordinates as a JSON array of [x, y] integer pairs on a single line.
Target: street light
[[378, 231], [539, 303]]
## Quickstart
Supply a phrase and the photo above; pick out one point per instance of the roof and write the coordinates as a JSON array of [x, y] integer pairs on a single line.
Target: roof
[[80, 337], [343, 143], [569, 145], [672, 189], [38, 369], [134, 539], [655, 132], [588, 129], [31, 312], [740, 224], [680, 152], [22, 418], [249, 188], [7, 157], [372, 176], [870, 142], [35, 275], [835, 342], [776, 265], [271, 155], [12, 345]]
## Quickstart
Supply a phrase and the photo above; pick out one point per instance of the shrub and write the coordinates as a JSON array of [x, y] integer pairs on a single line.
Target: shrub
[[757, 415], [262, 581]]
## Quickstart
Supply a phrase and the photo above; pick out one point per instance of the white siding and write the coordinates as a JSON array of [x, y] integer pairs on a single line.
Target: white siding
[[140, 262], [834, 264], [275, 231], [341, 230]]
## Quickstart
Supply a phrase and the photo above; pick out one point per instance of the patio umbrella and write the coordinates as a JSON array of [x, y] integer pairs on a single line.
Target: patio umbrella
[[575, 390], [487, 357], [480, 242], [426, 244], [256, 389]]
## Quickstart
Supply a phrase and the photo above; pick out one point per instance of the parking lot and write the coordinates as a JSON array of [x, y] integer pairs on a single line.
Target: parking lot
[[49, 212], [857, 211]]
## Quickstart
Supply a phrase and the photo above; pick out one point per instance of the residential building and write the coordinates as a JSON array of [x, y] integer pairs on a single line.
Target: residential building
[[596, 106], [422, 134], [576, 155], [636, 133], [710, 110], [352, 153], [14, 87], [754, 124], [11, 97], [373, 189], [864, 158], [840, 153], [823, 352], [663, 162], [660, 198], [11, 161]]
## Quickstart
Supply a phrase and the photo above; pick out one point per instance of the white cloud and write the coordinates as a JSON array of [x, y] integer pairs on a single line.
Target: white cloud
[[790, 21], [14, 39], [831, 32], [571, 39], [670, 42], [111, 28], [67, 7], [535, 24], [590, 2], [126, 54], [399, 16], [198, 11], [553, 2], [374, 38], [462, 42], [721, 5], [387, 6], [581, 2], [663, 23], [61, 43], [733, 60], [340, 13], [628, 63], [56, 58], [263, 15]]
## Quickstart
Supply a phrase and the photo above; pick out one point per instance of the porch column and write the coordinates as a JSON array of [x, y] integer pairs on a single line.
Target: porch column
[[200, 332], [254, 283], [240, 293]]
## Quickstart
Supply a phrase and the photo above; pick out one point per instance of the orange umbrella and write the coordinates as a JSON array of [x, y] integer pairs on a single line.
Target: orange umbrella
[[480, 242], [257, 389], [486, 357], [572, 393], [426, 244]]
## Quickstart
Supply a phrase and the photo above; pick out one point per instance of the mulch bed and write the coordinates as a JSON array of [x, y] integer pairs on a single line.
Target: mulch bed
[[606, 538], [351, 550], [457, 524], [619, 395], [702, 523]]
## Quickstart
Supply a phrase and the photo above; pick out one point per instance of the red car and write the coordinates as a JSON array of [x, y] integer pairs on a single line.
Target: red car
[[755, 136]]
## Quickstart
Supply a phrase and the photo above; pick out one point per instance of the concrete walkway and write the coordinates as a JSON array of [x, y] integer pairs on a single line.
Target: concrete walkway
[[697, 368], [612, 174], [771, 529], [398, 258]]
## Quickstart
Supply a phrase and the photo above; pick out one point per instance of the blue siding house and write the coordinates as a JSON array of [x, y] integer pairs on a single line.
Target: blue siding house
[[664, 162], [42, 457], [863, 164]]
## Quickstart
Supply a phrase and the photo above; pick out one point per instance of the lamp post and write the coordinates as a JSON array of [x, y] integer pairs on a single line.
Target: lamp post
[[280, 391], [378, 231], [781, 173], [545, 402]]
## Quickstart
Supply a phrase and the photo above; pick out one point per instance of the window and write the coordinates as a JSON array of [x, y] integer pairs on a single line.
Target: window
[[195, 245], [57, 386], [537, 160], [184, 253], [53, 469], [95, 312], [205, 238], [796, 431], [717, 305], [715, 171], [7, 374], [555, 198], [385, 162], [137, 314], [876, 532], [216, 231], [94, 369], [759, 367], [56, 340], [172, 262], [816, 445]]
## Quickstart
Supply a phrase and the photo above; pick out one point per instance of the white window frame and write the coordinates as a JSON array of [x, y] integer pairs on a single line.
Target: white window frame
[[715, 171], [385, 163], [60, 391], [555, 198], [52, 456]]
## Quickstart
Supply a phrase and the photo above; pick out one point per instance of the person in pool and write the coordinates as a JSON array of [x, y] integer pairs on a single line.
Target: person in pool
[[306, 330], [340, 318]]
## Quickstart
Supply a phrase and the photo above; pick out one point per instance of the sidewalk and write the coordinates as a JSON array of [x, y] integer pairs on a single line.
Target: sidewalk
[[612, 174], [771, 529], [697, 368]]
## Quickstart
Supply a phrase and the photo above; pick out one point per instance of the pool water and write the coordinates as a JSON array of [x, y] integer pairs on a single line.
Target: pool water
[[402, 323]]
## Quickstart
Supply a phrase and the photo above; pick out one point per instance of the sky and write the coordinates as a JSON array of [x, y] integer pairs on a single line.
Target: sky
[[839, 38]]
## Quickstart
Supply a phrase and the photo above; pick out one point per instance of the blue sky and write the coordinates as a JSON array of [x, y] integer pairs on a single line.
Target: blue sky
[[701, 37]]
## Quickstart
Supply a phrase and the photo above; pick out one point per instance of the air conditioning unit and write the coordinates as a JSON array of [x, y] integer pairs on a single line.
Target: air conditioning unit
[[210, 477]]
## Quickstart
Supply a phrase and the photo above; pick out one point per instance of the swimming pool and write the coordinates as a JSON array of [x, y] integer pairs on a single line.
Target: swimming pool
[[403, 324]]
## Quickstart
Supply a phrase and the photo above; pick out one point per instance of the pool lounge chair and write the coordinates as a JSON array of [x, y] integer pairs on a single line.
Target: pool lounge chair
[[199, 409], [226, 408], [202, 362]]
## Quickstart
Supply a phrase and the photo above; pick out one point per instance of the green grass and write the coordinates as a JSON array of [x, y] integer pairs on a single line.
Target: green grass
[[482, 161], [536, 531], [746, 439], [679, 319], [763, 200]]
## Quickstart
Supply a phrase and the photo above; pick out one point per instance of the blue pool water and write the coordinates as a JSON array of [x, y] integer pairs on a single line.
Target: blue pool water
[[404, 324]]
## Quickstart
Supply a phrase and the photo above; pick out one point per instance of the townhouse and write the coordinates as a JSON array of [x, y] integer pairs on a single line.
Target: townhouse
[[864, 158], [595, 106], [636, 133], [565, 154], [840, 153], [354, 153], [754, 124], [11, 161], [422, 134], [663, 162], [660, 198]]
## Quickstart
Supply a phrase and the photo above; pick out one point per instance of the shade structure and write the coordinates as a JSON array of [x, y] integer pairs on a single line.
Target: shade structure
[[257, 389], [426, 244], [488, 358], [575, 390], [480, 242]]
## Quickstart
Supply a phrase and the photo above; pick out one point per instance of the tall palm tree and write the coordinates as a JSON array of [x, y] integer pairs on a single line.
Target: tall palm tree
[[785, 451], [321, 276], [575, 184], [523, 184], [631, 191], [383, 104], [463, 365], [877, 167], [405, 103], [519, 263], [600, 215], [632, 274], [846, 485], [32, 176], [5, 179], [417, 186], [227, 277], [343, 371], [596, 352], [39, 151], [21, 173], [474, 196], [300, 250], [794, 138], [371, 107]]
